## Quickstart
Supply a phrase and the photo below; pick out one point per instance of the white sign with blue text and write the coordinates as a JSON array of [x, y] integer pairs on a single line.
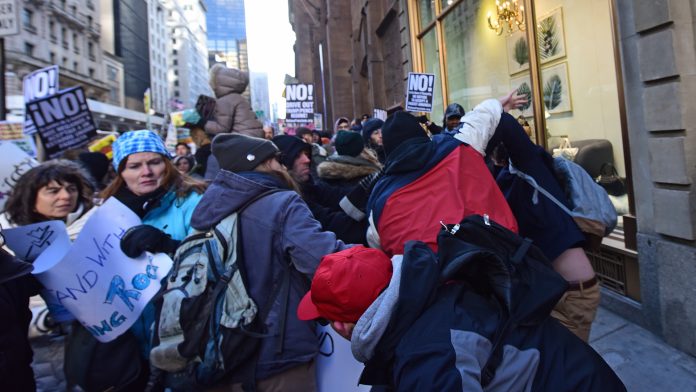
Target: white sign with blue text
[[102, 287], [419, 92]]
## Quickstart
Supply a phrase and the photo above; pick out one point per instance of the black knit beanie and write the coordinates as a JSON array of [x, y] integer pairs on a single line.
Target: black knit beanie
[[398, 128], [290, 147], [238, 153], [349, 143]]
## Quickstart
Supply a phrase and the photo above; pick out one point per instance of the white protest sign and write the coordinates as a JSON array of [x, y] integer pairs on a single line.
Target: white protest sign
[[103, 288], [337, 369], [9, 18], [15, 162], [380, 114], [299, 105], [419, 92], [63, 121], [28, 242], [38, 84]]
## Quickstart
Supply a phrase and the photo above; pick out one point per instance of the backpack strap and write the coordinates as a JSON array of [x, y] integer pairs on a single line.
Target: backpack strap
[[538, 188]]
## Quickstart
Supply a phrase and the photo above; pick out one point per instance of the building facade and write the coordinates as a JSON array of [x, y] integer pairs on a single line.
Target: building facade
[[159, 58], [66, 33], [619, 91], [227, 42], [131, 45], [188, 54]]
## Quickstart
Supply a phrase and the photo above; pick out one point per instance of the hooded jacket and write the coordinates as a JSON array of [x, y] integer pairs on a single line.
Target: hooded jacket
[[444, 179], [422, 335], [277, 228], [346, 171], [232, 111]]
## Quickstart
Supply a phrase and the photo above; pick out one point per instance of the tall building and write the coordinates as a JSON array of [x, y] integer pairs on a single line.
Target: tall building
[[187, 47], [227, 35], [159, 40], [66, 33], [132, 47]]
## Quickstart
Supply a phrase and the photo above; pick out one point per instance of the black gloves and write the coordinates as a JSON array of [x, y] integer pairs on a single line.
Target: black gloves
[[423, 119], [139, 239], [355, 202]]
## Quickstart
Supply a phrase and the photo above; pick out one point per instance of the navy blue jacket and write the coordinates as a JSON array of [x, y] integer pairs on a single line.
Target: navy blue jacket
[[439, 336]]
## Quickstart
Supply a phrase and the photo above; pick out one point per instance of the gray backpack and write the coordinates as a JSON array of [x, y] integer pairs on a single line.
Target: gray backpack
[[209, 327]]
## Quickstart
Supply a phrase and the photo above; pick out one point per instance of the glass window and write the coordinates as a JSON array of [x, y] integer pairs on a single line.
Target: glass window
[[426, 12], [27, 18], [432, 65]]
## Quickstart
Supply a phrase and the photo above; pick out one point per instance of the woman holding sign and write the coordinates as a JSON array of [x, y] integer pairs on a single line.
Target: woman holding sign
[[54, 190], [164, 199]]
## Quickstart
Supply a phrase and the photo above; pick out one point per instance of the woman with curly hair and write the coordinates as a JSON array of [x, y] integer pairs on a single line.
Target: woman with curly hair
[[54, 190]]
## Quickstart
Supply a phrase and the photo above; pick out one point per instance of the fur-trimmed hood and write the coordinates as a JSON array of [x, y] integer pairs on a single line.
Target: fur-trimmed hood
[[225, 80], [343, 167]]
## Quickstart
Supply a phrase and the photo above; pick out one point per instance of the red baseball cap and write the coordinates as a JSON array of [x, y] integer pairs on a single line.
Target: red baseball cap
[[345, 284]]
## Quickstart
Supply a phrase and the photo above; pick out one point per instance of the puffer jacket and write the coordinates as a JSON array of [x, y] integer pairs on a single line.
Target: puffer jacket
[[423, 335], [277, 228], [232, 111]]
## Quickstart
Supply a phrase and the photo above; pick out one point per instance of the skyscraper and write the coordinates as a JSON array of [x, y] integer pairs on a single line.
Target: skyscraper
[[227, 33]]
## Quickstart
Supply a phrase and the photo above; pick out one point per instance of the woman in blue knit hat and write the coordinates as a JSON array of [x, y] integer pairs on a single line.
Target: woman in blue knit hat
[[164, 199]]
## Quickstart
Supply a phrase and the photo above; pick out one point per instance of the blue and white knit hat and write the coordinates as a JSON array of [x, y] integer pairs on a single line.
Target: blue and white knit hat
[[137, 141]]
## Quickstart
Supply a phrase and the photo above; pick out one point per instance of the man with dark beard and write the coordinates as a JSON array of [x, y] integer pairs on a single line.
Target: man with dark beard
[[277, 236], [322, 199]]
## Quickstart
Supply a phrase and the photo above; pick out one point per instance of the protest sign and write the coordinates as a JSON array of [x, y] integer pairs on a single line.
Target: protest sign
[[299, 105], [63, 121], [38, 84], [9, 18], [380, 114], [12, 132], [337, 369], [29, 242], [419, 92], [15, 162], [103, 288]]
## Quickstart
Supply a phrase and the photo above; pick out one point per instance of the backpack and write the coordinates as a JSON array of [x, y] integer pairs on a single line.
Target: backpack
[[590, 206], [209, 328], [499, 263]]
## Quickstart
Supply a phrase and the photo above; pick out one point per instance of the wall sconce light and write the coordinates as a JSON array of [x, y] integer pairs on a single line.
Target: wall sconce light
[[510, 14]]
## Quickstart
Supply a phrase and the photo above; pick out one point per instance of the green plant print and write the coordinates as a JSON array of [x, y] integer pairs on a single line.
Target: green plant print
[[521, 52], [527, 92], [548, 38], [553, 90]]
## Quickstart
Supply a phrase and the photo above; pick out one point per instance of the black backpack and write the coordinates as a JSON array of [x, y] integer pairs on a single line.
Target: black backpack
[[499, 263]]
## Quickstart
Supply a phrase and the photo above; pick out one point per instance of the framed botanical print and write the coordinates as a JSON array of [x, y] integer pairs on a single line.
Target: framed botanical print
[[551, 36]]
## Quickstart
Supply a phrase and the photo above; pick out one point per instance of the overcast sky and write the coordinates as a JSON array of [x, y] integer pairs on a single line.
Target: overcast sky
[[269, 40]]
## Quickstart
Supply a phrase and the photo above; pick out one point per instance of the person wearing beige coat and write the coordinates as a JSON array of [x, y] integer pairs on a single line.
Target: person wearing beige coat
[[233, 113]]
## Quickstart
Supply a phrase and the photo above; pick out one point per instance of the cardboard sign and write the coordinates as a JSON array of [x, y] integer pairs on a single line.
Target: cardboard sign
[[38, 84], [419, 92], [299, 105], [337, 369], [103, 288], [15, 162], [63, 120]]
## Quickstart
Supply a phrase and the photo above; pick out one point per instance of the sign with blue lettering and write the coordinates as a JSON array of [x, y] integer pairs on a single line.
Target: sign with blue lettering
[[337, 368], [419, 92], [63, 121], [103, 288]]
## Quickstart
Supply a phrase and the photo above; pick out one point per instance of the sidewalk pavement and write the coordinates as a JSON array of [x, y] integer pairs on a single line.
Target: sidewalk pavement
[[643, 361]]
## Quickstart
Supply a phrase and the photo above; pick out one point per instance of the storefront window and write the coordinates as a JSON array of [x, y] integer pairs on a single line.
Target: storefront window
[[577, 65], [426, 12], [431, 54]]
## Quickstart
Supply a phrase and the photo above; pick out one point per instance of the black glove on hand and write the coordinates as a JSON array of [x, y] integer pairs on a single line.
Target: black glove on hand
[[422, 119], [355, 202], [139, 239]]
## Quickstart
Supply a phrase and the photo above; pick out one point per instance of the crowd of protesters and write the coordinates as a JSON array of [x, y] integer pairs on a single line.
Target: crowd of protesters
[[316, 202]]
